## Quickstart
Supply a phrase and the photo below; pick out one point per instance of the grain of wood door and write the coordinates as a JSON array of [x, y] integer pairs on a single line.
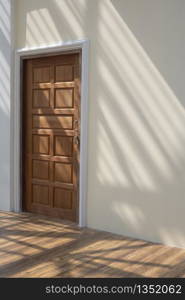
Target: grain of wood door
[[51, 136]]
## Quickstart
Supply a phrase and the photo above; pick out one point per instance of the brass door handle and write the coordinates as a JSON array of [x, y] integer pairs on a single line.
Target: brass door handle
[[77, 139], [76, 124]]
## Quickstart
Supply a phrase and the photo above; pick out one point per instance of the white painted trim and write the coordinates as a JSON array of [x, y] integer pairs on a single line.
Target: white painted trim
[[52, 49]]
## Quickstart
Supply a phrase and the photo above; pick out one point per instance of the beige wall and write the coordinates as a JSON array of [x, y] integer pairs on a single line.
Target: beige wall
[[5, 107], [136, 158]]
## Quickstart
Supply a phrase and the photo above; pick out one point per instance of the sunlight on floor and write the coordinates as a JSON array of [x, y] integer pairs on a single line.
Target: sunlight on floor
[[37, 246]]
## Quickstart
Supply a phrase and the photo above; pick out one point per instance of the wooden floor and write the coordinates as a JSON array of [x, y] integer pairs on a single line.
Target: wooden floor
[[37, 246]]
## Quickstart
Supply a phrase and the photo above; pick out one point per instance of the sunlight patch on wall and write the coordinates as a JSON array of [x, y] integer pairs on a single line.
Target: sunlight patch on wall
[[120, 128], [172, 237], [41, 28], [140, 112], [4, 82], [42, 23], [4, 19], [112, 173], [69, 9], [4, 56], [131, 215]]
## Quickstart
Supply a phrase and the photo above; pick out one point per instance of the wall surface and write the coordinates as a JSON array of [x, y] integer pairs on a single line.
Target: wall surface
[[136, 158], [5, 103]]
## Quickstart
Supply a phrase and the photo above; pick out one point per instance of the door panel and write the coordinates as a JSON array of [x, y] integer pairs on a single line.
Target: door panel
[[51, 122]]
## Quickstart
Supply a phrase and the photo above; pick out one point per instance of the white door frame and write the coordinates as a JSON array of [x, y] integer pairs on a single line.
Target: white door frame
[[16, 153]]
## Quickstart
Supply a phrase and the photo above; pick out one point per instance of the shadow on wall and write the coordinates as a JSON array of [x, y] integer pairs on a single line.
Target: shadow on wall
[[136, 169], [4, 102]]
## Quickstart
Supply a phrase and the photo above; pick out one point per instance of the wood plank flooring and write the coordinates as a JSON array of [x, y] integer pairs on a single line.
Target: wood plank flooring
[[38, 246]]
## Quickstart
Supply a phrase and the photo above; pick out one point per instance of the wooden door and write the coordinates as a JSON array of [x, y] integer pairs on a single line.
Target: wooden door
[[51, 137]]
